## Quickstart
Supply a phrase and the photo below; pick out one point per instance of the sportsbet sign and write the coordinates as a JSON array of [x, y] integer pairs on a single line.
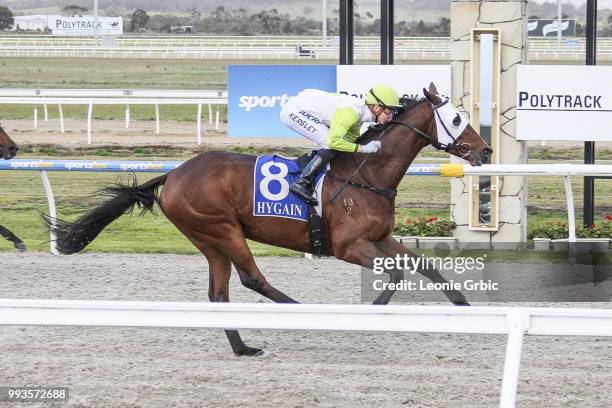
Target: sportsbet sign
[[256, 93], [564, 103]]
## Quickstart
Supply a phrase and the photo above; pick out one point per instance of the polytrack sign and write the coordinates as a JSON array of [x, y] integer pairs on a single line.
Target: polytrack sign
[[85, 25], [564, 102], [256, 93]]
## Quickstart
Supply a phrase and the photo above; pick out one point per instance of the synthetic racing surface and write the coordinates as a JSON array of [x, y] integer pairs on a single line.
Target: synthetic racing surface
[[187, 367]]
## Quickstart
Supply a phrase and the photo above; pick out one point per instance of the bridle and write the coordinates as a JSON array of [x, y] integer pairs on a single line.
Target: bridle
[[434, 142]]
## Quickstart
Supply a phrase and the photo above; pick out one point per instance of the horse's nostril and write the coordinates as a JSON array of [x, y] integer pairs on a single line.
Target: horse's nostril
[[486, 155], [13, 149]]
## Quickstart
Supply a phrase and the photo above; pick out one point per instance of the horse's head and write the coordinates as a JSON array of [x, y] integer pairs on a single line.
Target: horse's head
[[454, 132], [8, 148]]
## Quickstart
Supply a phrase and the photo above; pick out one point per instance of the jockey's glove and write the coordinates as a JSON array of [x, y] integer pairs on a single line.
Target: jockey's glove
[[365, 126], [371, 147]]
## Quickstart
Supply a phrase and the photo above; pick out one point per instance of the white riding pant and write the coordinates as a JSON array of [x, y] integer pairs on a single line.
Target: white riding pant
[[304, 123]]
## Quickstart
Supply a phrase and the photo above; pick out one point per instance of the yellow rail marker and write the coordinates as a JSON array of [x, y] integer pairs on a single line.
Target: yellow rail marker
[[451, 170]]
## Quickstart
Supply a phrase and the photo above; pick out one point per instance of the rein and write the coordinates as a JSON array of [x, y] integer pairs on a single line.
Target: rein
[[386, 192], [349, 181]]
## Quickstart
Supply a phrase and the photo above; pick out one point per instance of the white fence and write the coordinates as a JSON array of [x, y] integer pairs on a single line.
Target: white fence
[[272, 47], [126, 97], [514, 322], [447, 170]]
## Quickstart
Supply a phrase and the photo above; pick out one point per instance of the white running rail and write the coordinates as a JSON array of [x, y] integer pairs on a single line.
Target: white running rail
[[511, 321], [271, 47], [125, 97], [446, 170]]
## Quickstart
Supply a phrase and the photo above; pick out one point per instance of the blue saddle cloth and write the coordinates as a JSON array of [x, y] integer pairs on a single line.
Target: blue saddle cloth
[[272, 176]]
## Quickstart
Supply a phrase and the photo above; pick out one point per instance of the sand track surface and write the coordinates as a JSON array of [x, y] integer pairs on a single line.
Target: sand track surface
[[128, 367]]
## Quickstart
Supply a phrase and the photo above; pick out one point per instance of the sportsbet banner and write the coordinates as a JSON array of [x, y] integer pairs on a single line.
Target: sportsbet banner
[[564, 102], [256, 93], [406, 79]]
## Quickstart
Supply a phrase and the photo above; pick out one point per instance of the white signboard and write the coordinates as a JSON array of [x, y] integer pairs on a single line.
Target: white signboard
[[571, 102], [406, 79], [85, 25]]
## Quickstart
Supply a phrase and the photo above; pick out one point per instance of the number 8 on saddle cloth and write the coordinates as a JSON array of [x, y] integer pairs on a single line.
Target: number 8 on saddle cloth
[[272, 177]]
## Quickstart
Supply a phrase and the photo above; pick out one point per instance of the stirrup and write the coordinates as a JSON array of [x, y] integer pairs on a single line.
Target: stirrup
[[300, 191]]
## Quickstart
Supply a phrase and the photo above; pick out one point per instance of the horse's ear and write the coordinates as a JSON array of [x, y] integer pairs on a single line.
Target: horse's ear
[[432, 89], [427, 94]]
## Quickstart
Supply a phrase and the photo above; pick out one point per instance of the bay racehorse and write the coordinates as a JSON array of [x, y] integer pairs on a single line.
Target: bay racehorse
[[8, 150], [210, 200]]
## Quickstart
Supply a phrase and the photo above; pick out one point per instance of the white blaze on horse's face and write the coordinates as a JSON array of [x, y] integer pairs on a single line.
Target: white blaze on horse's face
[[450, 123]]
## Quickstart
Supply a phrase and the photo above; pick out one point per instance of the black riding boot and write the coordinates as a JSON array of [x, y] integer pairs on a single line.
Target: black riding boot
[[303, 187]]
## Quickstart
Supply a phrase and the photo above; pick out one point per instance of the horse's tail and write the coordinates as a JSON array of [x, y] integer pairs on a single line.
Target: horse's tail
[[73, 237]]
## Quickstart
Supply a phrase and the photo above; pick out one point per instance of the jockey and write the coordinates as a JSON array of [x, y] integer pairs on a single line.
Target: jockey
[[334, 122]]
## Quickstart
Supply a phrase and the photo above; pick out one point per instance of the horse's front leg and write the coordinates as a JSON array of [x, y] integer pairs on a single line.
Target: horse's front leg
[[363, 252], [390, 247]]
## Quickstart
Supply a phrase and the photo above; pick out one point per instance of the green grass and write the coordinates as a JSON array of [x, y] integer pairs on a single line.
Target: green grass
[[121, 73], [114, 73], [22, 196], [181, 113], [117, 73], [23, 199]]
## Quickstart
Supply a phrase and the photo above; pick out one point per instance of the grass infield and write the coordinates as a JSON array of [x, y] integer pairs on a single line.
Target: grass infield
[[23, 199]]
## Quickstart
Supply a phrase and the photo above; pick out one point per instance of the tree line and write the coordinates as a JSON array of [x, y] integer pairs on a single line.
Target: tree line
[[272, 22], [225, 21]]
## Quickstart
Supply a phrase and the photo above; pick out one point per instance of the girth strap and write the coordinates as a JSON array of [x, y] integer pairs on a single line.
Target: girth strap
[[380, 191]]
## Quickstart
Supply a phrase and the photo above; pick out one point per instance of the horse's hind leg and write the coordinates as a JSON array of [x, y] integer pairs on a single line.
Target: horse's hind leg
[[250, 275], [218, 291]]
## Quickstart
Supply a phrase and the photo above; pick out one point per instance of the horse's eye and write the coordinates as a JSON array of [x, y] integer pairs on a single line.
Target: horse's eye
[[457, 121]]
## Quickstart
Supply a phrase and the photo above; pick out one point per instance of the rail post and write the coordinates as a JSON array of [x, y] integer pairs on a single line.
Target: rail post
[[89, 113], [52, 211], [61, 115], [571, 218], [199, 123], [157, 118], [127, 114], [517, 325]]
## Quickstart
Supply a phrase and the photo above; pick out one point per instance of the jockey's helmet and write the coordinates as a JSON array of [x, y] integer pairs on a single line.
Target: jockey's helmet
[[383, 95]]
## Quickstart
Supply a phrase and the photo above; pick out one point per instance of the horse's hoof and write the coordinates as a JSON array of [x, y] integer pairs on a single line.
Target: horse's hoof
[[462, 303], [250, 351], [21, 247]]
